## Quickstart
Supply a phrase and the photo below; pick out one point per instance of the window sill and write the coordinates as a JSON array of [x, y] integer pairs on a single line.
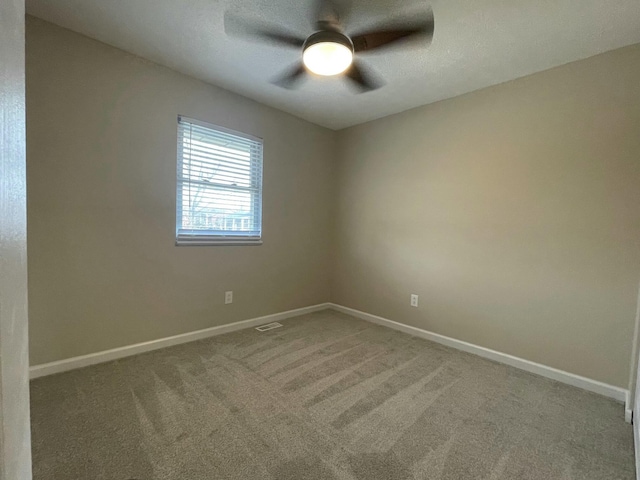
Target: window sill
[[216, 242]]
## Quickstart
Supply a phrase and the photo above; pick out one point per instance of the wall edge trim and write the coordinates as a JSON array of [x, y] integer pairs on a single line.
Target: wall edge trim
[[617, 393], [72, 363], [595, 386]]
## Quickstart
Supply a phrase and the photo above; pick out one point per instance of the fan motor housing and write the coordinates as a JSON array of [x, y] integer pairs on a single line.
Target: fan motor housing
[[329, 36]]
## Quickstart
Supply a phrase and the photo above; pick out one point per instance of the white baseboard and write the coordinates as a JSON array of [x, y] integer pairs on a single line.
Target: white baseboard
[[67, 364], [616, 393]]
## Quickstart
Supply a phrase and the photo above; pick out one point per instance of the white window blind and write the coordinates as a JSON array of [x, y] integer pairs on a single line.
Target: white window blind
[[219, 197]]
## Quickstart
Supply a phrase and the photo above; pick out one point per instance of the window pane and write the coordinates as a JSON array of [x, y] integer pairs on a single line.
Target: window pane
[[219, 182], [204, 161], [213, 208]]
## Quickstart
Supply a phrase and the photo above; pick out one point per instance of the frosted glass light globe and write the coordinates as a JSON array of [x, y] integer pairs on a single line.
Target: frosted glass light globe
[[327, 58]]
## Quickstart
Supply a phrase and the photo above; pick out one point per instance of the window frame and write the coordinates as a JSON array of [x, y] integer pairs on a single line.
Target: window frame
[[196, 237]]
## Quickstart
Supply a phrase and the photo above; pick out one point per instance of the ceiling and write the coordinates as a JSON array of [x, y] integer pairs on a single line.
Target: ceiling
[[477, 43]]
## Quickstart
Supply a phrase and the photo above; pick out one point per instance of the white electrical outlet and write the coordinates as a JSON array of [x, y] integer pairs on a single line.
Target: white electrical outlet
[[414, 300], [228, 297]]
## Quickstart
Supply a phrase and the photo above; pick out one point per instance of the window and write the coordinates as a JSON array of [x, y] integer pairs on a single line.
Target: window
[[219, 197]]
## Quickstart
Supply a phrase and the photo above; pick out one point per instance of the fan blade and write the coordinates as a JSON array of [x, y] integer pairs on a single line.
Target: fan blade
[[325, 15], [291, 79], [386, 36], [237, 27], [360, 78]]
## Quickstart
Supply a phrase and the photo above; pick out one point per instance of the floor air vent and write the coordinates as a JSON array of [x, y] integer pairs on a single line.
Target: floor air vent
[[268, 326]]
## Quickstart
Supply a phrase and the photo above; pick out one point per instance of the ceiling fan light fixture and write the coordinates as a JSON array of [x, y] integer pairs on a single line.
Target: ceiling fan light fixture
[[327, 53]]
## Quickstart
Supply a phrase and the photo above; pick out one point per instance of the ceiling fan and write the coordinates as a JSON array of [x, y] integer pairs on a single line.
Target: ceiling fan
[[329, 50]]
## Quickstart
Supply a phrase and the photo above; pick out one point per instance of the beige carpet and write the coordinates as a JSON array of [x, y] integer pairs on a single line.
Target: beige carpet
[[325, 397]]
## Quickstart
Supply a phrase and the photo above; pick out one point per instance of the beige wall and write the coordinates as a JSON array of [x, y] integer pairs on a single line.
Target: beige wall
[[514, 212], [103, 268], [15, 439]]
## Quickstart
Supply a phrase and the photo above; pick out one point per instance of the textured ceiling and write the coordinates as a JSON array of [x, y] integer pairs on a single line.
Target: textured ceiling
[[477, 43]]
